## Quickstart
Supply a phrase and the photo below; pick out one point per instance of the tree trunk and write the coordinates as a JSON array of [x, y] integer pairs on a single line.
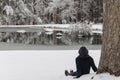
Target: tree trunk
[[110, 55]]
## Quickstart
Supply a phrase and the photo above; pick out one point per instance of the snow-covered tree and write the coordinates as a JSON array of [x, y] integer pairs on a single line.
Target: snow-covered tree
[[9, 10], [57, 11], [60, 10]]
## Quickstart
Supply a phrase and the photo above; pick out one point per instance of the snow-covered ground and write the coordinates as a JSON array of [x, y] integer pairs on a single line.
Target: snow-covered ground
[[96, 28], [44, 65]]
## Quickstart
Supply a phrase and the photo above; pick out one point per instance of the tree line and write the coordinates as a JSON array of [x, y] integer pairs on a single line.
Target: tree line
[[49, 11]]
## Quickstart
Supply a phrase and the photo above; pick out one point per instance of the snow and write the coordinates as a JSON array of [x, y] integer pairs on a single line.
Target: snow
[[9, 10], [44, 65], [99, 32], [21, 31], [97, 28], [42, 25]]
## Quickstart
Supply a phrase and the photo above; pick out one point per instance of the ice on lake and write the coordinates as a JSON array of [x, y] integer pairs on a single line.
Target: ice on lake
[[40, 65]]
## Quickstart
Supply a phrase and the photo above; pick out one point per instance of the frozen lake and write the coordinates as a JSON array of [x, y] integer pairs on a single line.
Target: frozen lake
[[40, 65], [12, 46]]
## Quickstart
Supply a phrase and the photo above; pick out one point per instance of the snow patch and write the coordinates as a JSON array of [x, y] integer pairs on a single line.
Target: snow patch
[[45, 65]]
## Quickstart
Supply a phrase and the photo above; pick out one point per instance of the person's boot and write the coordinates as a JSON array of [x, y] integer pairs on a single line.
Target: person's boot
[[66, 73], [71, 71]]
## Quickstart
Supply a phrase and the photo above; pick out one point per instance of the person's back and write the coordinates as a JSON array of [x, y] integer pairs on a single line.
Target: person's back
[[83, 63]]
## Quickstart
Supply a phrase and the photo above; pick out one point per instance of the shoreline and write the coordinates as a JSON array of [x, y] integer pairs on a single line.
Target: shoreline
[[13, 46]]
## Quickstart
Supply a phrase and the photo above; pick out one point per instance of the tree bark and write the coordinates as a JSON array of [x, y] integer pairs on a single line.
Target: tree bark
[[110, 55]]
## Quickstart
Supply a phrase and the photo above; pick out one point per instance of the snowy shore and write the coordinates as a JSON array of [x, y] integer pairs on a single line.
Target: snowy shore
[[39, 65], [44, 65], [13, 46]]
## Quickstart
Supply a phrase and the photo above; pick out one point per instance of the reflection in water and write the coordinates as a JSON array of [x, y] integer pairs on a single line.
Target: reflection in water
[[91, 40], [53, 39], [97, 39]]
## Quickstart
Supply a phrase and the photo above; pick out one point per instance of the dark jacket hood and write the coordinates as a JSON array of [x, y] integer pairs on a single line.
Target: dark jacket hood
[[83, 52]]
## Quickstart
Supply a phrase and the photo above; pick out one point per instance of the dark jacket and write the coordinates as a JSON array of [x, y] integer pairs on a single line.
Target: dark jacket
[[84, 62], [83, 65]]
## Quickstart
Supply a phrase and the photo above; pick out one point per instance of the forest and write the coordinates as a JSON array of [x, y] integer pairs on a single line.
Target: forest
[[31, 12]]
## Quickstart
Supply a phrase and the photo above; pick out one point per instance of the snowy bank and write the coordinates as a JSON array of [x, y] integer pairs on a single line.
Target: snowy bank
[[51, 26], [44, 65], [106, 76], [15, 46], [39, 65], [97, 28]]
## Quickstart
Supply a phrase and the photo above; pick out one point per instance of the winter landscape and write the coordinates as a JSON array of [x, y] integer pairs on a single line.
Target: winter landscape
[[29, 12], [40, 39], [51, 22], [44, 65]]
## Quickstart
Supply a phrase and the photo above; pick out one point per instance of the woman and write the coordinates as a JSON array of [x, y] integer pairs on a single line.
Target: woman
[[83, 64]]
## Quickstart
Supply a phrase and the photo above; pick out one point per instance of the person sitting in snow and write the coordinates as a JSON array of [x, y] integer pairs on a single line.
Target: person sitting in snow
[[83, 64]]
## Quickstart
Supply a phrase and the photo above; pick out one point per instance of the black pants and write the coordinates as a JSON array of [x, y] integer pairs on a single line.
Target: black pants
[[77, 74]]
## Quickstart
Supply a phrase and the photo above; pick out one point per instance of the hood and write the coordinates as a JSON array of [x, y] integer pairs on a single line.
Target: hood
[[83, 52]]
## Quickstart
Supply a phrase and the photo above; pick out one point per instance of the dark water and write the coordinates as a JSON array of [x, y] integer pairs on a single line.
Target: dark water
[[92, 43], [34, 38], [93, 40], [88, 40]]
